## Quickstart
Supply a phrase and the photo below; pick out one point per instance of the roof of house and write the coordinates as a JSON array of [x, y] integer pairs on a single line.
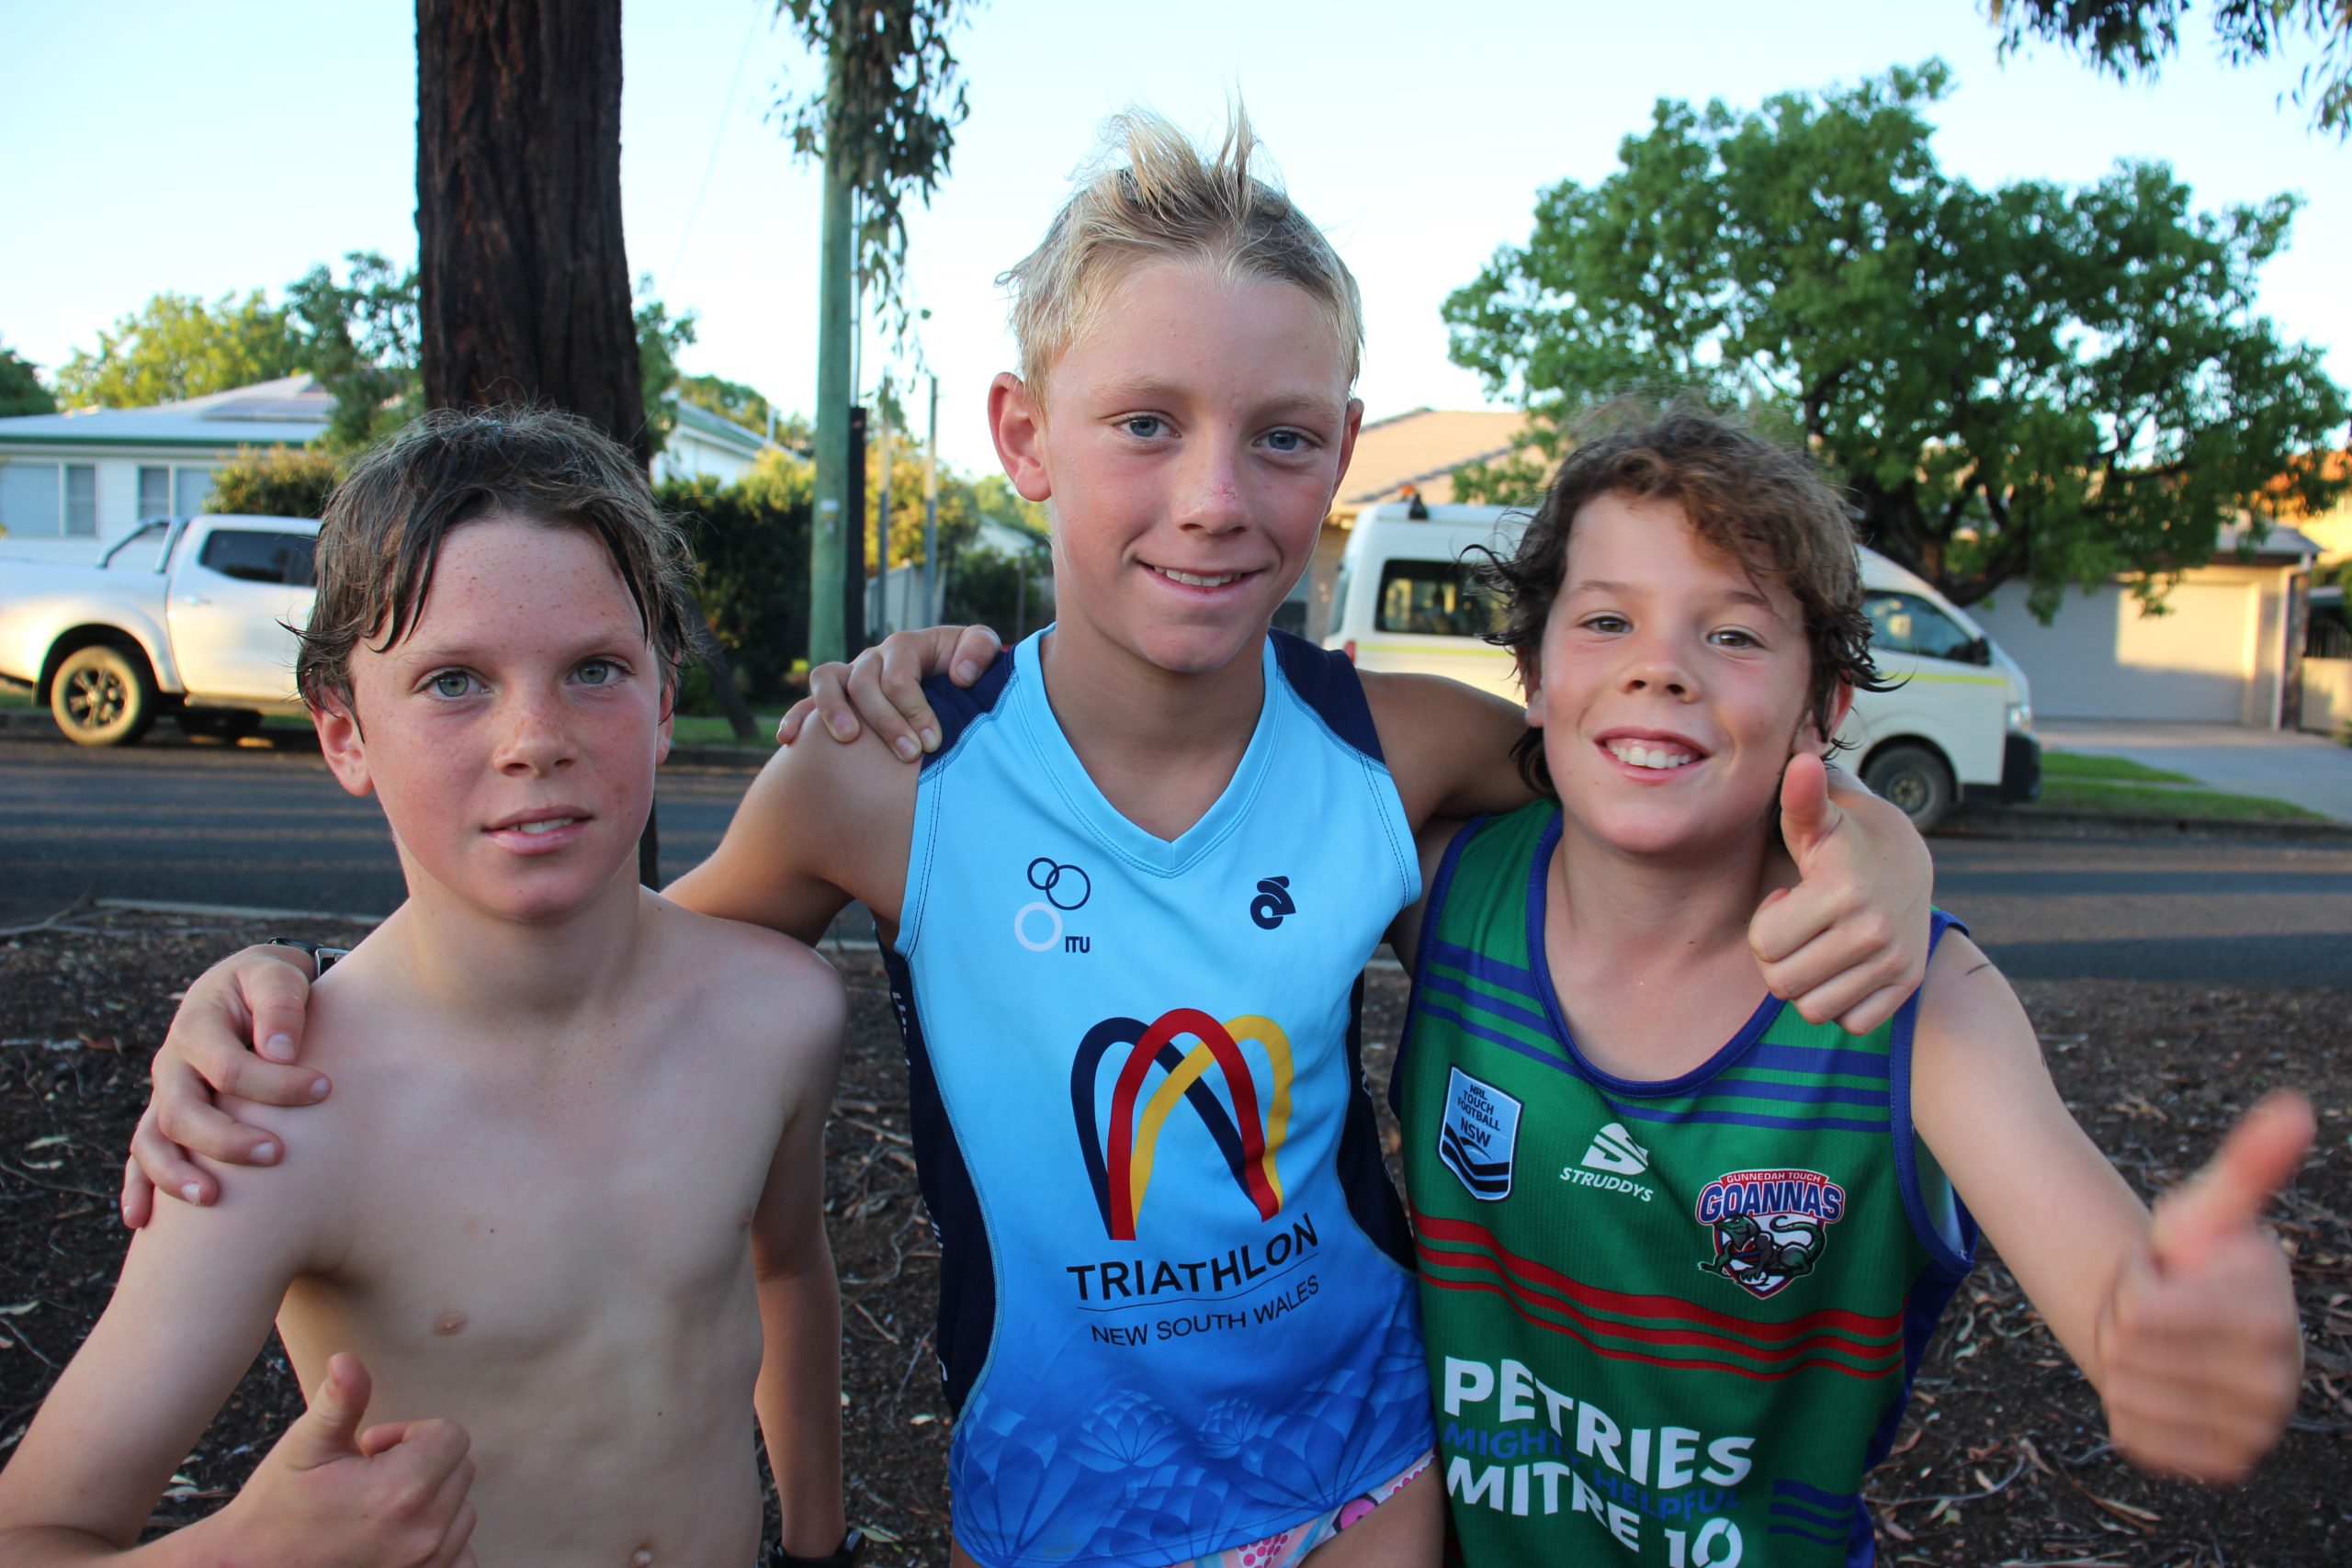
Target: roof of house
[[2281, 543], [1422, 447], [716, 427], [291, 411]]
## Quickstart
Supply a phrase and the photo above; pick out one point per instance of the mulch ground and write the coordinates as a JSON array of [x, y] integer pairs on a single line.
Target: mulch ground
[[2004, 1460]]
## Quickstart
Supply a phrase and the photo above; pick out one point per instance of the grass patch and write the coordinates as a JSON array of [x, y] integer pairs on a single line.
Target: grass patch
[[2085, 765], [2139, 800], [15, 697], [711, 729]]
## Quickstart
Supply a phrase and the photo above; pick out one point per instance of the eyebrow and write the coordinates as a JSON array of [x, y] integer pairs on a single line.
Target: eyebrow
[[1152, 388], [592, 644], [1609, 585]]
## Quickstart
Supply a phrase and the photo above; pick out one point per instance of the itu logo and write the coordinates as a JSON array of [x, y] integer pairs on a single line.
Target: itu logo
[[1272, 903], [1037, 925], [1247, 1137]]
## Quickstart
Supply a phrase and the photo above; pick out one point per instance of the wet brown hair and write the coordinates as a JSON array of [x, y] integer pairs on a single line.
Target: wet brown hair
[[386, 524], [1763, 504]]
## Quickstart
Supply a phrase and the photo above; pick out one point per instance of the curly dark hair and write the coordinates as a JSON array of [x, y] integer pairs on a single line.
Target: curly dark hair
[[1764, 505], [384, 525]]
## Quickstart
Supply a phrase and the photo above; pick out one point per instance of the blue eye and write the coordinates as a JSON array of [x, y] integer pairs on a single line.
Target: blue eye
[[1143, 426], [597, 673], [1286, 440], [451, 683]]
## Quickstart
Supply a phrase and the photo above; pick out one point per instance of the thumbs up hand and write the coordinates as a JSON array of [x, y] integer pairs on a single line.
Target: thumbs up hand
[[2199, 1348], [331, 1495], [1849, 941]]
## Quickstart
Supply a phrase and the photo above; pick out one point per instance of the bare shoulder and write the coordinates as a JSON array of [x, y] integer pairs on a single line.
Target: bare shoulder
[[1976, 1062], [1447, 745], [744, 981]]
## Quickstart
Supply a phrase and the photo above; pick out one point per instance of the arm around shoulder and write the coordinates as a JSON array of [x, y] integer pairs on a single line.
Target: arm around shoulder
[[1447, 745]]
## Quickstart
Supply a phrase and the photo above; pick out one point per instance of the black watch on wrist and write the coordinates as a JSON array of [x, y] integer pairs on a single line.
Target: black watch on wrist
[[842, 1556], [323, 957]]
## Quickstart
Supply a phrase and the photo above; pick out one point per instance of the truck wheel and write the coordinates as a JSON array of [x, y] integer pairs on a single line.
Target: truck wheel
[[103, 696], [218, 724], [1914, 779]]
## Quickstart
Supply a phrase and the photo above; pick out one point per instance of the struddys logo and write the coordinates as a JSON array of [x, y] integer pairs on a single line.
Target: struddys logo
[[1248, 1128], [1770, 1226]]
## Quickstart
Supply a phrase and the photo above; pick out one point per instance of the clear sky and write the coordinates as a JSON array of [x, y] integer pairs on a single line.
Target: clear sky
[[231, 145]]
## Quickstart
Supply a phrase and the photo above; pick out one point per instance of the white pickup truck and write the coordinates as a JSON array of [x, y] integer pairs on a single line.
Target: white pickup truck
[[186, 616]]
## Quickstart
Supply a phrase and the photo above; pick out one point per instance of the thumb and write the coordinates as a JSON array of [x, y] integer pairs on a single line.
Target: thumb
[[329, 1429], [2259, 1156], [1806, 814]]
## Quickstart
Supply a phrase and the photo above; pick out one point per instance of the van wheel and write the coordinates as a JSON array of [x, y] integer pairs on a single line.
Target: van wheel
[[102, 695], [1914, 779]]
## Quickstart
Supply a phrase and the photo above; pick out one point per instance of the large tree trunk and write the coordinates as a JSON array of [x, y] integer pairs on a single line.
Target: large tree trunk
[[525, 285], [523, 277]]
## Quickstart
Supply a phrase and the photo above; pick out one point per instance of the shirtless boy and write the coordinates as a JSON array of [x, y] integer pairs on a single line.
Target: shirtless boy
[[1126, 906], [578, 1123]]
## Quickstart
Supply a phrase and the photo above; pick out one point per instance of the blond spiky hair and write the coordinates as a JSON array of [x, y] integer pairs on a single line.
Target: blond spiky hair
[[1151, 195]]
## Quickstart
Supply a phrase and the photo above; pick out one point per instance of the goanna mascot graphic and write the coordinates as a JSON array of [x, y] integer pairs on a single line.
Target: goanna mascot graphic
[[1770, 1226], [1249, 1131]]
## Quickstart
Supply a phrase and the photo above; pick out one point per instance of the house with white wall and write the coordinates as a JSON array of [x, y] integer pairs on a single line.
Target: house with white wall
[[70, 484]]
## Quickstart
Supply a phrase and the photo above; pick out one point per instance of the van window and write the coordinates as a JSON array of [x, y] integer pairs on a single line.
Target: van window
[[1905, 623], [1435, 599], [250, 556]]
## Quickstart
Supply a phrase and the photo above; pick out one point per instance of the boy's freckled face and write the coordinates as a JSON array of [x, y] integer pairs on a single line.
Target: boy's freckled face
[[1671, 685], [511, 736], [1193, 439]]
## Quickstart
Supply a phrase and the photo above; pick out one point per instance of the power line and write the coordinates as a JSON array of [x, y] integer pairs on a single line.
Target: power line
[[718, 136]]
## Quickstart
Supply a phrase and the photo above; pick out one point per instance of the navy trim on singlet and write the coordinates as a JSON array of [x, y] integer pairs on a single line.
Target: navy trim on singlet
[[1432, 909], [958, 706], [967, 1267], [1326, 682]]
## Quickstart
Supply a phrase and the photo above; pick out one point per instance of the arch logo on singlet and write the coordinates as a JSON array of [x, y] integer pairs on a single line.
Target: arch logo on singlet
[[1249, 1136]]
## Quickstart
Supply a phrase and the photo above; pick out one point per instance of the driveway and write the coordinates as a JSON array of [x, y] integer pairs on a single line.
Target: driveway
[[2309, 770]]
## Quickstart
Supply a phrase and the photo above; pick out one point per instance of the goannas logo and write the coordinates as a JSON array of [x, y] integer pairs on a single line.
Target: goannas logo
[[1248, 1137], [1768, 1226]]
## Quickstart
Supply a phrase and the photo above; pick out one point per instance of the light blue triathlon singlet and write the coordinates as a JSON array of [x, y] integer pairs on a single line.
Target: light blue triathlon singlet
[[1177, 1308]]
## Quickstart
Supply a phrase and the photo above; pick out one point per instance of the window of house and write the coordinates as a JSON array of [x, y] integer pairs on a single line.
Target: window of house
[[251, 556], [31, 496], [82, 501], [1434, 598], [154, 493], [1905, 623], [190, 488]]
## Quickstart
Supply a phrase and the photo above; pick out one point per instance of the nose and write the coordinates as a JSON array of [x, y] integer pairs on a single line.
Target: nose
[[1208, 497], [1655, 664], [536, 740]]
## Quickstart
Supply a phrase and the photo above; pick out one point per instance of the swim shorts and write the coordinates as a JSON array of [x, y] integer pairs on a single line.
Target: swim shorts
[[1285, 1548]]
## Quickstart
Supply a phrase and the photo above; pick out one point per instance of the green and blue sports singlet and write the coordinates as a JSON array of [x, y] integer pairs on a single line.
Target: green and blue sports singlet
[[1668, 1323], [1177, 1310]]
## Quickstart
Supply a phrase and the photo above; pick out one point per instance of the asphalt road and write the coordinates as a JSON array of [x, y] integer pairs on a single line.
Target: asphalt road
[[171, 821]]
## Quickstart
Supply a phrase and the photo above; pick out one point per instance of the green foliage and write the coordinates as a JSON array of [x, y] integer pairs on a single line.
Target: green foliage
[[21, 391], [659, 339], [886, 120], [2134, 38], [958, 515], [275, 481], [750, 544], [986, 587], [359, 339], [180, 347], [2030, 382], [994, 496], [745, 406], [1516, 480]]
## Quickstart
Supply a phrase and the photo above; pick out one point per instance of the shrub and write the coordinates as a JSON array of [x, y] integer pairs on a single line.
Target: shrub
[[275, 482], [750, 544]]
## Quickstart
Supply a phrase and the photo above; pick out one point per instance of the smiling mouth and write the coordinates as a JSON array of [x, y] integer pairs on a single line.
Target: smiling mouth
[[1659, 756], [539, 826], [1198, 580]]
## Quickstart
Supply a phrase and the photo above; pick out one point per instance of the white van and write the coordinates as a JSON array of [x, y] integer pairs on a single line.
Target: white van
[[1959, 728]]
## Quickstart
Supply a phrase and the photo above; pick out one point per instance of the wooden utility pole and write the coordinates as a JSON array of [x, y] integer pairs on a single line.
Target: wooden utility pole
[[836, 328], [931, 515]]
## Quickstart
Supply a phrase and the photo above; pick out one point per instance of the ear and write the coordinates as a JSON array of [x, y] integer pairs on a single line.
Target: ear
[[669, 718], [1842, 703], [1017, 424], [341, 743]]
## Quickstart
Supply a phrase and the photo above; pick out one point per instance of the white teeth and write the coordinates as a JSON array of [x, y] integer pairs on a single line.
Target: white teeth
[[549, 826], [1661, 758], [1191, 579]]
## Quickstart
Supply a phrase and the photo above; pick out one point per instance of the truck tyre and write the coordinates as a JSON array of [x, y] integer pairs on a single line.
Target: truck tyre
[[1916, 780], [103, 696]]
